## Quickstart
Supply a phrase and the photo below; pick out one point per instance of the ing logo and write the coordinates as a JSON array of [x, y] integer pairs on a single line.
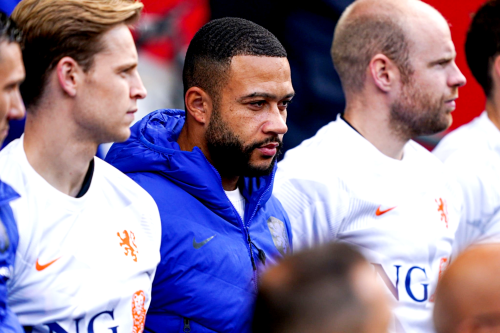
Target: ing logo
[[128, 244], [139, 311], [443, 210]]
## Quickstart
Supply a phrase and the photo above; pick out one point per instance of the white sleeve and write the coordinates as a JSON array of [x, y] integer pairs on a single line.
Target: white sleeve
[[480, 220], [316, 210]]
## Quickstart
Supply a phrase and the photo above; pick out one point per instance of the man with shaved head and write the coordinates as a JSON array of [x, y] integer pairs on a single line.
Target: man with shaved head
[[361, 179], [468, 295]]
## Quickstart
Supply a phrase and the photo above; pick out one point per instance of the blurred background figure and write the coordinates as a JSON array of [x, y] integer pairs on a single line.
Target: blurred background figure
[[163, 35], [468, 295], [472, 152], [327, 289]]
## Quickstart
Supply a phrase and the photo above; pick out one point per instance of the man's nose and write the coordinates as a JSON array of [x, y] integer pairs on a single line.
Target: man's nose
[[276, 122], [457, 79]]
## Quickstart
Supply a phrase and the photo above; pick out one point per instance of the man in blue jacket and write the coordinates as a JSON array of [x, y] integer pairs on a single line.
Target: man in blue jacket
[[210, 170], [11, 107]]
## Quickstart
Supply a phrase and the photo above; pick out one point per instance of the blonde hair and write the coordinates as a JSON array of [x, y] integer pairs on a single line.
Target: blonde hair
[[54, 29]]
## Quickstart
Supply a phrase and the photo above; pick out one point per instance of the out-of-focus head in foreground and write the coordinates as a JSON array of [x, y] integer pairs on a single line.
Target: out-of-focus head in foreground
[[11, 74], [398, 54], [468, 295], [327, 289], [80, 57]]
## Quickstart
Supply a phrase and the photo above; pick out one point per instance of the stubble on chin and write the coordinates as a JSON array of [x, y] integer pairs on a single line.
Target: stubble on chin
[[417, 113], [230, 156]]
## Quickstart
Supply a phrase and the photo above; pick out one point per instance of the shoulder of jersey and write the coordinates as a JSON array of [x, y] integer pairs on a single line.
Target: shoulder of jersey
[[121, 181], [465, 140], [11, 171], [7, 155], [324, 145], [425, 156], [467, 150]]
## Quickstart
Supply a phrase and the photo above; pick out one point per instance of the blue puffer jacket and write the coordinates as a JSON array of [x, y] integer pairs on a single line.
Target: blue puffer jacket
[[9, 239], [211, 259]]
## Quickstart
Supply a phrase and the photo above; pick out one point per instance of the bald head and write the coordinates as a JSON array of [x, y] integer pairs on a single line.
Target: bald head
[[371, 27], [468, 295]]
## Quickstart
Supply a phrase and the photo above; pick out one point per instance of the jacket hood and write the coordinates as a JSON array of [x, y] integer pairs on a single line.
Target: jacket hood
[[152, 147]]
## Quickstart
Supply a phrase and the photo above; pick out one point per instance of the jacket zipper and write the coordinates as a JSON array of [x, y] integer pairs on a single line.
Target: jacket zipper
[[261, 254], [187, 326]]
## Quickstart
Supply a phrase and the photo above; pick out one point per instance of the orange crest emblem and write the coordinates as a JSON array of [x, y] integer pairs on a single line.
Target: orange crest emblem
[[443, 210], [139, 311], [128, 244]]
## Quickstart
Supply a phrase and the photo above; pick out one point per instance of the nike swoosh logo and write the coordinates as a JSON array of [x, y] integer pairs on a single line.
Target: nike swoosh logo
[[197, 245], [42, 267], [381, 212]]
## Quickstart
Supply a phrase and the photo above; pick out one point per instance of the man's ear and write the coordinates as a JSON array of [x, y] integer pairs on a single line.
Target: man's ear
[[198, 104], [383, 72], [68, 71]]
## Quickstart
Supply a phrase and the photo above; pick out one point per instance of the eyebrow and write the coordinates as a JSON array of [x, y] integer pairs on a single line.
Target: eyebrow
[[126, 66], [444, 59], [265, 95]]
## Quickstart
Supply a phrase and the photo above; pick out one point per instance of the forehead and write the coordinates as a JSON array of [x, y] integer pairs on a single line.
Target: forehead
[[430, 37], [259, 73], [11, 63], [118, 45]]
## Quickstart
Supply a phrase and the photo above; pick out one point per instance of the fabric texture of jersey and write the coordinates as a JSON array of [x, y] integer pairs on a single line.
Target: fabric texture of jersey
[[402, 214], [9, 239], [472, 154], [211, 259], [82, 265]]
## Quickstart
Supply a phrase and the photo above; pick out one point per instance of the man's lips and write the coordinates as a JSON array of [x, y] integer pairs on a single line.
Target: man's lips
[[451, 102], [131, 115], [269, 149]]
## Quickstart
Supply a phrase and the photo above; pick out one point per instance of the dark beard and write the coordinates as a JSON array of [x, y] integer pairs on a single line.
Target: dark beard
[[416, 113], [228, 154]]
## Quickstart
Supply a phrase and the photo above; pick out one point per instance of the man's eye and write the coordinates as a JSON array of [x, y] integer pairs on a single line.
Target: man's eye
[[127, 71], [286, 103], [258, 103], [10, 87]]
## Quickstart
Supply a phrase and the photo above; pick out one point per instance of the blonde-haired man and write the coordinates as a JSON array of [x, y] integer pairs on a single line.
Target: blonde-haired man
[[89, 236]]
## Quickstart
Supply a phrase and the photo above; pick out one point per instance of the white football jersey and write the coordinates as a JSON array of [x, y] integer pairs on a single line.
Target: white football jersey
[[402, 214], [472, 154], [83, 264]]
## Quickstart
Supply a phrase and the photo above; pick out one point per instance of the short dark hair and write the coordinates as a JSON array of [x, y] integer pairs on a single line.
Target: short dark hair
[[482, 44], [54, 29], [208, 57], [8, 30], [314, 291]]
